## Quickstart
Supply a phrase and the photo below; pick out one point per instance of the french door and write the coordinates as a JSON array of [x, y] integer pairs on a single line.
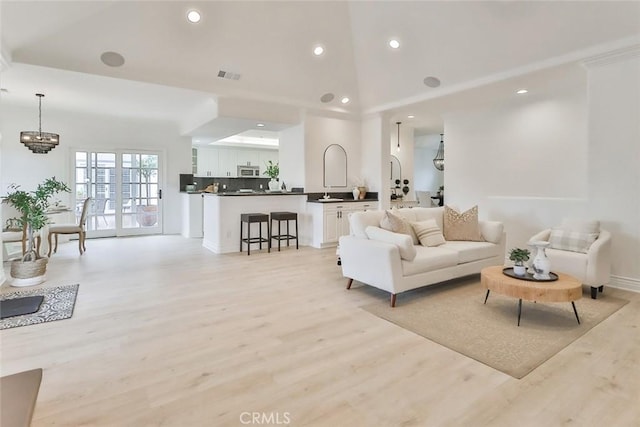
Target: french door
[[126, 189]]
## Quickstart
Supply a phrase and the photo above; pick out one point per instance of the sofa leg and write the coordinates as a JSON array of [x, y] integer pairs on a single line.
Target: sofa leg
[[393, 300], [594, 292], [349, 283], [601, 289]]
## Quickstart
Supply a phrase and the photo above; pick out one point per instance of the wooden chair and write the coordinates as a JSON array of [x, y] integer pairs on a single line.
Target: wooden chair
[[11, 235], [78, 229]]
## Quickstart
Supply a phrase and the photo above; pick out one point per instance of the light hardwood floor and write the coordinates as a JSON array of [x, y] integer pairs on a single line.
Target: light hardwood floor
[[166, 333]]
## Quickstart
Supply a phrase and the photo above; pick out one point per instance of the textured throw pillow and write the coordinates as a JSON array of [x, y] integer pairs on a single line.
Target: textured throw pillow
[[428, 232], [574, 241], [462, 226], [402, 241], [397, 224]]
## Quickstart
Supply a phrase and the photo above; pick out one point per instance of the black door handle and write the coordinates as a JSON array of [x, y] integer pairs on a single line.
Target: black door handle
[[159, 194]]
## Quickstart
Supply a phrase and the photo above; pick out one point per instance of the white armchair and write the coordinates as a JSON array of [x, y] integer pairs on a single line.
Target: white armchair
[[592, 268]]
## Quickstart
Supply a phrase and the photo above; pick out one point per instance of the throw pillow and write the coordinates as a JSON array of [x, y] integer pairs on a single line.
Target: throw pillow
[[428, 233], [402, 241], [462, 226], [397, 224], [574, 241]]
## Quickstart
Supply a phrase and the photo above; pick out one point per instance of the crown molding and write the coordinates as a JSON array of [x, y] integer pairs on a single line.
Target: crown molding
[[618, 55]]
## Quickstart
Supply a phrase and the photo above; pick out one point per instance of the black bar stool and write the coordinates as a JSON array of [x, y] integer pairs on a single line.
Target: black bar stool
[[251, 218], [284, 216]]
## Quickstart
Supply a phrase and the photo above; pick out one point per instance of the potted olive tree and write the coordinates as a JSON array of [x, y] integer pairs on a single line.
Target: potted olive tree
[[32, 206], [519, 256], [273, 171]]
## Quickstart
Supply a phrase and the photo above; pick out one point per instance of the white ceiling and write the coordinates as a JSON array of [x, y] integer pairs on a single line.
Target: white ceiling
[[469, 46]]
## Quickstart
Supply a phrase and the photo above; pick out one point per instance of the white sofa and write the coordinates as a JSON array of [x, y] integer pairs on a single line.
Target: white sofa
[[378, 262]]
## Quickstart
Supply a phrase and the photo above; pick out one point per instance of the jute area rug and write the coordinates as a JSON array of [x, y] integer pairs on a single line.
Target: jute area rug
[[58, 304], [453, 314]]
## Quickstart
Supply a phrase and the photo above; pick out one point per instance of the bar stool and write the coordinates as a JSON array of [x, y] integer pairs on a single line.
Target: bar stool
[[284, 216], [251, 218]]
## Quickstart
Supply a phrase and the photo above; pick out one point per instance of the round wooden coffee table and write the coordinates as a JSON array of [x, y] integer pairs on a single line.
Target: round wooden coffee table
[[565, 289]]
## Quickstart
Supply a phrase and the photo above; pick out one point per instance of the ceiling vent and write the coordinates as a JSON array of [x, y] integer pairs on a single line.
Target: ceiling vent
[[228, 75]]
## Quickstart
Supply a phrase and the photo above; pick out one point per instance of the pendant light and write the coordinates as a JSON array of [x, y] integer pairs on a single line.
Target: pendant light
[[398, 123], [438, 160], [37, 141]]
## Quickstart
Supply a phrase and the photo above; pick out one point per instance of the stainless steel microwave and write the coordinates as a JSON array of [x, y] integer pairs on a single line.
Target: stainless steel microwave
[[248, 171]]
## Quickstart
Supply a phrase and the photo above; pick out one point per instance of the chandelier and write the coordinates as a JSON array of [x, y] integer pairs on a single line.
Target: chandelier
[[438, 160], [37, 141]]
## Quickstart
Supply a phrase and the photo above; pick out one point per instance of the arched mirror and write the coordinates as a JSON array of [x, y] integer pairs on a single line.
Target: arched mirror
[[335, 166], [396, 172]]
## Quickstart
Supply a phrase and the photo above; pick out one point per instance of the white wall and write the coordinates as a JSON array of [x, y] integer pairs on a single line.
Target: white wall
[[614, 161], [291, 151], [523, 163], [319, 133], [78, 130], [425, 175], [537, 160]]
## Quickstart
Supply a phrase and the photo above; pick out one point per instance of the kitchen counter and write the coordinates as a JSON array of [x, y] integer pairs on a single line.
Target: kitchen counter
[[222, 216]]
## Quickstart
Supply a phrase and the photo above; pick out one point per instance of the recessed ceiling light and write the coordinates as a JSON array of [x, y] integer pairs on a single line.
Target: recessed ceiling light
[[193, 16], [260, 125], [344, 100], [411, 116], [394, 43], [112, 59], [318, 50], [432, 81], [521, 91]]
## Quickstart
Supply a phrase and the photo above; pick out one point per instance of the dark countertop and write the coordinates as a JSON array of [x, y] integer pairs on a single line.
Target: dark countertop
[[352, 200], [257, 193]]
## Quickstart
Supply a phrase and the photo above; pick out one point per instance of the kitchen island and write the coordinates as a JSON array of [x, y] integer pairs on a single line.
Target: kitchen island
[[221, 219]]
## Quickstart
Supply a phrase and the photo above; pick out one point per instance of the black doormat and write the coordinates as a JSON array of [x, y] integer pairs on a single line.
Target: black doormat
[[20, 306]]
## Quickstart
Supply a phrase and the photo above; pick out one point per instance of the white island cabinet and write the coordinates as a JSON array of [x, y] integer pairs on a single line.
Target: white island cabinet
[[191, 215], [222, 217], [331, 220]]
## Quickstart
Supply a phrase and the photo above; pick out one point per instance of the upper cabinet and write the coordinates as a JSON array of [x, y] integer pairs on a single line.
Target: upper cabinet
[[224, 161]]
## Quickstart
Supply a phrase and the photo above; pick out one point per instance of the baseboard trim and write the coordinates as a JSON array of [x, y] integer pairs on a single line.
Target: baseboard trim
[[626, 283]]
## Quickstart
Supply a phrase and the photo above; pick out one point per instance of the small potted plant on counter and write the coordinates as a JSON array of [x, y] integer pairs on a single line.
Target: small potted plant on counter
[[273, 171], [519, 256]]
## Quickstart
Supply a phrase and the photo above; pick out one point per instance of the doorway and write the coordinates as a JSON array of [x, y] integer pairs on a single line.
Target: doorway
[[126, 189]]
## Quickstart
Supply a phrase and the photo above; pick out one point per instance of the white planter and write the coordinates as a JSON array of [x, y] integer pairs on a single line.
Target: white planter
[[519, 270], [273, 185], [541, 264]]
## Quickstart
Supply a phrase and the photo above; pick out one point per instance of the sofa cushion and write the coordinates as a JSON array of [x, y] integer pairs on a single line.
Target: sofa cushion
[[402, 241], [472, 251], [462, 226], [429, 259], [581, 225], [572, 263], [359, 221], [423, 214], [428, 232], [574, 241], [396, 223], [491, 230]]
